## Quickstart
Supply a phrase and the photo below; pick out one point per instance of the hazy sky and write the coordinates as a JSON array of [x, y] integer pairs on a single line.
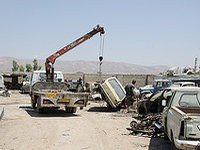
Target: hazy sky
[[143, 32]]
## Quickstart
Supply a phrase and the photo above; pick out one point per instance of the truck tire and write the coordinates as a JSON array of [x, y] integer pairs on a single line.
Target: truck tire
[[39, 109], [33, 103], [67, 109], [70, 109], [74, 109]]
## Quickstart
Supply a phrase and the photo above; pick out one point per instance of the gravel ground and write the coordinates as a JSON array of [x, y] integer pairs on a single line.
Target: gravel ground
[[93, 128]]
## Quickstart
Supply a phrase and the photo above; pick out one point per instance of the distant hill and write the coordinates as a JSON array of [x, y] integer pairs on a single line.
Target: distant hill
[[87, 66]]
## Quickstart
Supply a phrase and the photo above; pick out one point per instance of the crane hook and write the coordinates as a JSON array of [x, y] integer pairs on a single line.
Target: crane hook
[[100, 58]]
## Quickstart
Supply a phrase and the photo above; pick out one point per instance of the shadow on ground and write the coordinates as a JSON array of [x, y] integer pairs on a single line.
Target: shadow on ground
[[158, 143], [101, 109], [48, 112]]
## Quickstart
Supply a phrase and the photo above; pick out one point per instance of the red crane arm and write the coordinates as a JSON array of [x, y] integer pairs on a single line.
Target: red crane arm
[[51, 59]]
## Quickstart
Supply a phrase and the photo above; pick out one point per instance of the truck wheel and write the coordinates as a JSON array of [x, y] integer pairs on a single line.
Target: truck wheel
[[67, 109], [74, 110], [33, 104], [70, 109], [39, 109]]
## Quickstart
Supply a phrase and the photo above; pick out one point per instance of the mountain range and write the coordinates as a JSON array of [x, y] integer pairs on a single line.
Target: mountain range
[[86, 66]]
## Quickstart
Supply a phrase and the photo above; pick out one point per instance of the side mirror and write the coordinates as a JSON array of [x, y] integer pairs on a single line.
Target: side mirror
[[164, 103]]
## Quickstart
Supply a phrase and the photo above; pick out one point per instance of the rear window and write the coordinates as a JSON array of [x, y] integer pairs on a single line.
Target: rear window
[[189, 100], [41, 77]]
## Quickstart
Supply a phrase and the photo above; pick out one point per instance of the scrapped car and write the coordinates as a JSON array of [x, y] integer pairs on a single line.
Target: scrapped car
[[112, 92], [153, 104], [181, 119], [156, 86]]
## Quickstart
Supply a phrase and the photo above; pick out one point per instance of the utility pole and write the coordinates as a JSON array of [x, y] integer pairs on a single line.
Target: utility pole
[[195, 65]]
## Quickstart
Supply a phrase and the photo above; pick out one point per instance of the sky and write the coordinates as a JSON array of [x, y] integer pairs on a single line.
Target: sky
[[141, 32]]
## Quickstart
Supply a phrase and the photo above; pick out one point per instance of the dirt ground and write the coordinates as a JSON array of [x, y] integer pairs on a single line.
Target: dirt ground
[[93, 128]]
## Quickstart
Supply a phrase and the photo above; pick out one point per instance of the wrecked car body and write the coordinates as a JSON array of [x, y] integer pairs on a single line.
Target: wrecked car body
[[112, 92], [157, 85], [181, 119], [153, 104]]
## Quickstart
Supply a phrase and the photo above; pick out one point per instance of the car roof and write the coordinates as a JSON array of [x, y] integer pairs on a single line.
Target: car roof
[[186, 88]]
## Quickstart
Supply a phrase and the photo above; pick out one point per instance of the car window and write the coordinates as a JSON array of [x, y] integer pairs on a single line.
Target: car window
[[189, 100], [42, 77]]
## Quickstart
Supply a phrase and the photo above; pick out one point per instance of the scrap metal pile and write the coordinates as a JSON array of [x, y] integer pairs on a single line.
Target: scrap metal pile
[[149, 125]]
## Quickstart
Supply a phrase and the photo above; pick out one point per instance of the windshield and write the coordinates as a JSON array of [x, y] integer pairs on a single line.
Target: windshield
[[117, 88]]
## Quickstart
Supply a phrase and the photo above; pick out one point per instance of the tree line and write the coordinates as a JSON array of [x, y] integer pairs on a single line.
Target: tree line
[[27, 68]]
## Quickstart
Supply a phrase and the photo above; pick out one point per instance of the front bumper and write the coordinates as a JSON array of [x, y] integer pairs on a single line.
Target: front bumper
[[187, 144]]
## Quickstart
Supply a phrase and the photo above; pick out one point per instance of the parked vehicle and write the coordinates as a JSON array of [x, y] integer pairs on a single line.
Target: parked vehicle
[[181, 119], [54, 94], [14, 80], [156, 86]]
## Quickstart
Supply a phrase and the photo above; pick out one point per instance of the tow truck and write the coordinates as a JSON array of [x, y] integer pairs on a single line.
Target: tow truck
[[53, 92]]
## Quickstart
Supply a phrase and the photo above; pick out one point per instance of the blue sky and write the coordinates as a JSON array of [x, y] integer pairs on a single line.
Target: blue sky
[[142, 32]]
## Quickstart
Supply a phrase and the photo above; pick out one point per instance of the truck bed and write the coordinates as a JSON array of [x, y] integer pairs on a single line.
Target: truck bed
[[190, 110], [58, 88]]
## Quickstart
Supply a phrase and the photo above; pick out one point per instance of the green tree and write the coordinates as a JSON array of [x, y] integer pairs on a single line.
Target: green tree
[[28, 68], [21, 68], [15, 66], [35, 65]]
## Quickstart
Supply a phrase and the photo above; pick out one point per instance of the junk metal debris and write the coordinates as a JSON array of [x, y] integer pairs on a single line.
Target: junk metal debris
[[149, 125]]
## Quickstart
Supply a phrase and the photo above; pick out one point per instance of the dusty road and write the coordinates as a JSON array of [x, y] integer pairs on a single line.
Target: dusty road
[[93, 128]]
